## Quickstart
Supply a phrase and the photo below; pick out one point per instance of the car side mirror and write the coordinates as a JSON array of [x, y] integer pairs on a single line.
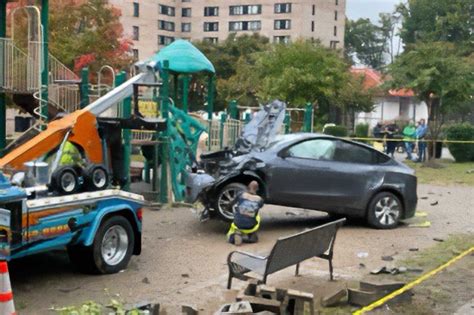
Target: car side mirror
[[283, 153]]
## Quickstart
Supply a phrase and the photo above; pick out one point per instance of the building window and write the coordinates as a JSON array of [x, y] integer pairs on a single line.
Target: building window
[[335, 15], [283, 8], [136, 9], [314, 10], [136, 33], [211, 26], [281, 39], [245, 26], [186, 12], [185, 0], [335, 30], [212, 40], [337, 2], [185, 27], [135, 54], [333, 44], [211, 11], [245, 9], [312, 26], [166, 10], [282, 24], [166, 25], [165, 40]]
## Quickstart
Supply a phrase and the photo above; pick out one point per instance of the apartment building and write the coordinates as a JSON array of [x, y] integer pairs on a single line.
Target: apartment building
[[153, 24]]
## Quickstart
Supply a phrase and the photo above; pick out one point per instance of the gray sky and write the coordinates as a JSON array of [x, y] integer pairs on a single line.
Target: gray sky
[[369, 8]]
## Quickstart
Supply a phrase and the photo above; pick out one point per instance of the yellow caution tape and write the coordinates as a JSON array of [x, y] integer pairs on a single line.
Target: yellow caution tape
[[410, 140], [410, 285]]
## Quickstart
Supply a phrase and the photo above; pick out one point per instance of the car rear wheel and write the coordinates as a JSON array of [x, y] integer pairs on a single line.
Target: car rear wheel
[[225, 197], [384, 211]]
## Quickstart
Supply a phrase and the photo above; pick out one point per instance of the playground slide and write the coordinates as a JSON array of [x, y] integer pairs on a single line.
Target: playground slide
[[80, 127]]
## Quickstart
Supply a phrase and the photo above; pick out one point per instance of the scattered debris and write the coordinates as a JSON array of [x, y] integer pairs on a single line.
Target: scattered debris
[[185, 275], [387, 258], [424, 198], [146, 280], [413, 249], [385, 270], [361, 266], [269, 300], [290, 213], [434, 203], [370, 292], [438, 239], [362, 254], [421, 214], [334, 298], [188, 310], [423, 224], [67, 290]]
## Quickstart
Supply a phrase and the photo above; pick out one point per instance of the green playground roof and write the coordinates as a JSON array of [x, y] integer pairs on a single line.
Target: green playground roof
[[183, 57]]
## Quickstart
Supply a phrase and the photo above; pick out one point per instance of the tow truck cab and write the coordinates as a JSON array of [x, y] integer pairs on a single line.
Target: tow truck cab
[[101, 230]]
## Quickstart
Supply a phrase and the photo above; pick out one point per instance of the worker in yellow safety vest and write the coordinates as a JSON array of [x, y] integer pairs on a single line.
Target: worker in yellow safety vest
[[246, 218]]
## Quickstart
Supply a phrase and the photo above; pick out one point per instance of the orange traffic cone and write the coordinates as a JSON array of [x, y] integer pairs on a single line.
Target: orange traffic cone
[[6, 296]]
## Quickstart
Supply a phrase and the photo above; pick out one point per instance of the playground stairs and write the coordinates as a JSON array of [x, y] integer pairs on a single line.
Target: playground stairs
[[20, 77]]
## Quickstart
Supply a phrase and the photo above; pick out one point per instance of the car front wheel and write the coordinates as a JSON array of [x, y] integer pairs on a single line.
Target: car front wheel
[[384, 211], [225, 197]]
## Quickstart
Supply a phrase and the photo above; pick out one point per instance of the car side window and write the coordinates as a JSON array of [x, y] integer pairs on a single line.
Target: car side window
[[352, 153], [316, 149]]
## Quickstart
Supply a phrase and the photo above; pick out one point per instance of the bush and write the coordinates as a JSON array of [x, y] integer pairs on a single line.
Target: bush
[[336, 131], [362, 130], [462, 152]]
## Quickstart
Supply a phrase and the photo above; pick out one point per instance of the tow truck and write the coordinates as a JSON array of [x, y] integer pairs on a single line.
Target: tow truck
[[46, 206]]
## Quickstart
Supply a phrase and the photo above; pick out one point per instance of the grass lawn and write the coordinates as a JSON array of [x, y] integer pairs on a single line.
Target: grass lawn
[[448, 173]]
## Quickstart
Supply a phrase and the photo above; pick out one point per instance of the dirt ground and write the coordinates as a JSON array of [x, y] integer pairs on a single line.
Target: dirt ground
[[184, 261]]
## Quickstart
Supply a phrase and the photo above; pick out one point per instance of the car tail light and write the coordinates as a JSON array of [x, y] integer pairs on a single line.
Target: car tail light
[[140, 214]]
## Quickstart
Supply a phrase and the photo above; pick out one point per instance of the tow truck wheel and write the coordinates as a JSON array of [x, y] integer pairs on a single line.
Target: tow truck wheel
[[96, 177], [225, 197], [65, 181], [113, 245]]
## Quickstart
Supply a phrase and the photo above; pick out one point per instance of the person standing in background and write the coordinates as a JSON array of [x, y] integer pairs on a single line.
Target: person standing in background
[[409, 135], [421, 132], [391, 129]]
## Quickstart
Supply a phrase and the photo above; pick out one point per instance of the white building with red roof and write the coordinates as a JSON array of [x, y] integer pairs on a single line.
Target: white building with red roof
[[398, 105]]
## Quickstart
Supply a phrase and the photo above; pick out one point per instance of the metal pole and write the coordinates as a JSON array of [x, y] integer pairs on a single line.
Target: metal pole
[[233, 110], [221, 131], [210, 97], [44, 72], [126, 138], [186, 80], [164, 93], [3, 31], [287, 123], [176, 90], [308, 115], [85, 87]]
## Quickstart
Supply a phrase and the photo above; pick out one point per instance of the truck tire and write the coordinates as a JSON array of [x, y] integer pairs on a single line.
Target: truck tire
[[113, 245], [95, 177], [65, 181], [111, 251], [224, 197]]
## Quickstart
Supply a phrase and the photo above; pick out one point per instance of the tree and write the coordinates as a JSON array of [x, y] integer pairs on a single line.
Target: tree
[[364, 41], [438, 76], [227, 56], [440, 20], [298, 73], [90, 34]]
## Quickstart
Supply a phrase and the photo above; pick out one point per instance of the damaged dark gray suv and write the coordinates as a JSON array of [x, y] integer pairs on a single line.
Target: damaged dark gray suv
[[311, 171]]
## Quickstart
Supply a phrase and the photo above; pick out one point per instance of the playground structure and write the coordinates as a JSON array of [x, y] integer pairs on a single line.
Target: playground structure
[[45, 89]]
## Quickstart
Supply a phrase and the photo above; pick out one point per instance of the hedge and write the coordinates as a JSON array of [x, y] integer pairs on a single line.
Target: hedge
[[462, 152], [336, 131]]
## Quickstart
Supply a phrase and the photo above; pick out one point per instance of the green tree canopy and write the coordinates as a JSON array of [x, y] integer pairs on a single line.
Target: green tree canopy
[[440, 20]]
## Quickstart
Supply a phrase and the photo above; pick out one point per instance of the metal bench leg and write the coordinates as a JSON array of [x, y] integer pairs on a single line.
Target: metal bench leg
[[229, 281], [330, 270], [297, 271]]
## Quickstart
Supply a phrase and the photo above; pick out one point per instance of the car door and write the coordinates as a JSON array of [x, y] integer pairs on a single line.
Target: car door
[[300, 174]]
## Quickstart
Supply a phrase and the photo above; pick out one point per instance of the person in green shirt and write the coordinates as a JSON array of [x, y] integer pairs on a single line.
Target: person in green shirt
[[409, 135]]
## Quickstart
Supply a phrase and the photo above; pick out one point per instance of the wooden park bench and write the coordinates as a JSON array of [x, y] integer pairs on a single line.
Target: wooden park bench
[[287, 251]]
